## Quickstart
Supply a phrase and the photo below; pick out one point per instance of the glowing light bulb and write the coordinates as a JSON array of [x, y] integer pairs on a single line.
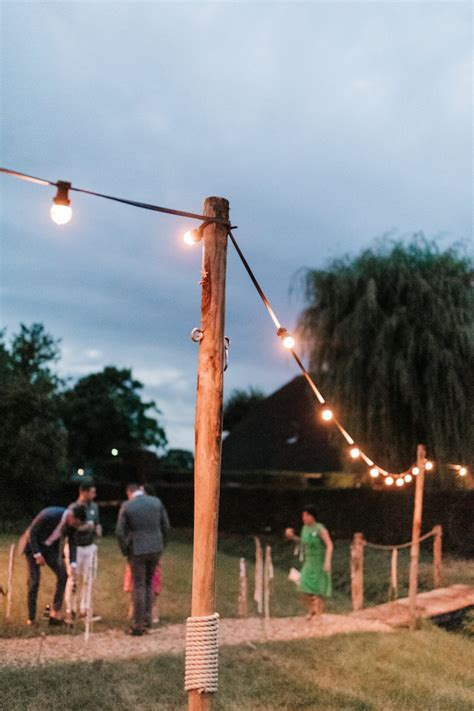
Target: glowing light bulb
[[327, 415], [61, 214], [374, 472], [429, 466], [191, 237], [61, 211], [462, 471], [389, 480], [408, 478], [415, 471], [355, 452], [114, 452], [289, 342], [399, 481], [80, 472]]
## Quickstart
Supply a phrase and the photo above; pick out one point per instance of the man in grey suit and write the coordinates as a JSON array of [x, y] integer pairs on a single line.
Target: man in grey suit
[[143, 531]]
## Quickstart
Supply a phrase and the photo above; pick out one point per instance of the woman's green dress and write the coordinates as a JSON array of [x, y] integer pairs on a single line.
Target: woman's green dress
[[314, 581]]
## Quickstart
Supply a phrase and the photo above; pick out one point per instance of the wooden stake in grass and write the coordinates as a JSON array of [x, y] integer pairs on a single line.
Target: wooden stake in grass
[[208, 423], [437, 555], [394, 575], [258, 592], [267, 578], [89, 597], [242, 604], [415, 538], [11, 565], [357, 571]]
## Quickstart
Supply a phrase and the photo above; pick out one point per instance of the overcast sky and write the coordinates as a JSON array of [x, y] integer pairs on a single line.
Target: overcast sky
[[326, 125]]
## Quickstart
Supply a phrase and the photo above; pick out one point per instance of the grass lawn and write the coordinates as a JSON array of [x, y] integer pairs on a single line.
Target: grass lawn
[[429, 670], [111, 602]]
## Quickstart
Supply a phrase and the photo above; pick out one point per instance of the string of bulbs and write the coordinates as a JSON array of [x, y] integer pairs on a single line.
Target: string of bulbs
[[61, 213]]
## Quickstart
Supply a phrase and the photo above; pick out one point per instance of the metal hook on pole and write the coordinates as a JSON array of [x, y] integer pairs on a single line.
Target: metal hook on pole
[[226, 352]]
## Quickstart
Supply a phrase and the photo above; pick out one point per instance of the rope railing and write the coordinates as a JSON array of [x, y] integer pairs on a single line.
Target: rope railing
[[357, 563], [379, 546]]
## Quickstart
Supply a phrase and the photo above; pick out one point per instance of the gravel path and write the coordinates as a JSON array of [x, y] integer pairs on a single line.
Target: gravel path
[[114, 644]]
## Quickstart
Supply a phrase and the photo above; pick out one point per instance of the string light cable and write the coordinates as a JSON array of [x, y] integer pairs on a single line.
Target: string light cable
[[327, 414], [65, 187], [61, 214]]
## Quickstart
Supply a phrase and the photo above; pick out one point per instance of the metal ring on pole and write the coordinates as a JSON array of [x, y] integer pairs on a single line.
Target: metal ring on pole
[[197, 334]]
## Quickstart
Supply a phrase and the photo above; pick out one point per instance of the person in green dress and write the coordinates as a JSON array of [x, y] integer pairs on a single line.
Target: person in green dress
[[316, 546]]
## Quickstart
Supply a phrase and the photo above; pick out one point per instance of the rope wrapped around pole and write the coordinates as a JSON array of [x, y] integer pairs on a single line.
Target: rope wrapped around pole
[[202, 654]]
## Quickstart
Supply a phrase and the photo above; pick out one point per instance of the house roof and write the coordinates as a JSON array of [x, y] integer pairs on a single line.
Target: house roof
[[282, 433]]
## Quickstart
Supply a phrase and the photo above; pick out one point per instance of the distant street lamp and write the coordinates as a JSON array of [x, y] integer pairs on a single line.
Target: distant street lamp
[[114, 452]]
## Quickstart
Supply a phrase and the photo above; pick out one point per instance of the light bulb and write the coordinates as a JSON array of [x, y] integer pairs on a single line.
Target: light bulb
[[114, 452], [289, 342], [327, 415], [462, 471], [399, 481], [408, 478], [429, 465], [61, 214], [389, 480], [355, 452], [61, 211], [191, 237], [415, 471], [374, 472], [80, 472]]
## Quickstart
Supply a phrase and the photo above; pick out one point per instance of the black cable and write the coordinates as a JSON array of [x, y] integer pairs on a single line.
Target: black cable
[[255, 282]]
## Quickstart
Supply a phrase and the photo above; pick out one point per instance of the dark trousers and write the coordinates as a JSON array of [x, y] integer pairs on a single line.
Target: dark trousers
[[53, 561], [142, 567]]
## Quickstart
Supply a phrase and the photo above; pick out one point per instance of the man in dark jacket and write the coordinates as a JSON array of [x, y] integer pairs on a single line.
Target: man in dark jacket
[[143, 530], [42, 545]]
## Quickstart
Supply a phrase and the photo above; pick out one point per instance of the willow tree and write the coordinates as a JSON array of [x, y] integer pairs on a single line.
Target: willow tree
[[389, 338]]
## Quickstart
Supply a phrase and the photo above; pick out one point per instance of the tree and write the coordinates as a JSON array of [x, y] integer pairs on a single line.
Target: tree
[[239, 404], [104, 411], [389, 337], [32, 436]]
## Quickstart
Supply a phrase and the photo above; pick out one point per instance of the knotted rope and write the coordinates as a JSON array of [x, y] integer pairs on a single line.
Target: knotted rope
[[202, 653]]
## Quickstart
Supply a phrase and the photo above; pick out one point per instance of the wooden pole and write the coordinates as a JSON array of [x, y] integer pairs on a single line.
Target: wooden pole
[[208, 422], [415, 538], [242, 605], [11, 564], [258, 591], [437, 555], [357, 571], [394, 575], [267, 577]]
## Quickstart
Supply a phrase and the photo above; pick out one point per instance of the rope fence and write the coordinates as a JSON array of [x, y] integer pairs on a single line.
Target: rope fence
[[357, 563]]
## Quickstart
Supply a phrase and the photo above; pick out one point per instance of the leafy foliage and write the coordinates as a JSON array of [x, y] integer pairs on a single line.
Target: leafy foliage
[[32, 435], [389, 336], [239, 404], [104, 411]]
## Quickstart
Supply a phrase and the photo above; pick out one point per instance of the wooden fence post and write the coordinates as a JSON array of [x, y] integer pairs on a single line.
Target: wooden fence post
[[357, 571], [258, 592], [11, 563], [267, 578], [242, 606], [437, 555]]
